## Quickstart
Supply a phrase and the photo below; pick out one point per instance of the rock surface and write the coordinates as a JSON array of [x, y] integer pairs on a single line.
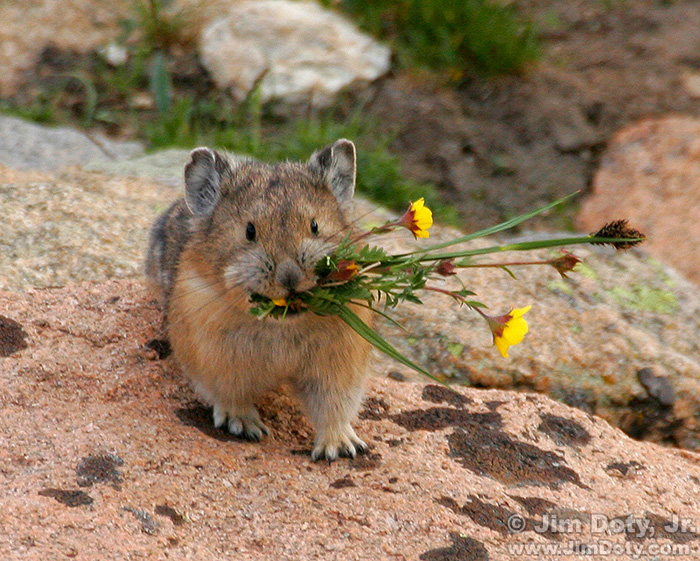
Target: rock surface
[[78, 24], [106, 454], [650, 175], [300, 52], [28, 146]]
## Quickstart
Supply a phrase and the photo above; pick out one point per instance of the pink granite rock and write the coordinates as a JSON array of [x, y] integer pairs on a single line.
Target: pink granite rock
[[106, 454], [650, 175]]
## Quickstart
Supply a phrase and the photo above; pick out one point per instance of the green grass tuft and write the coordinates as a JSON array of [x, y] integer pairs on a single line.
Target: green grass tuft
[[452, 35]]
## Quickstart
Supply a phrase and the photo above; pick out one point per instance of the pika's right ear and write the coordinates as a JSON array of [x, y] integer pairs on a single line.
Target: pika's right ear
[[203, 175]]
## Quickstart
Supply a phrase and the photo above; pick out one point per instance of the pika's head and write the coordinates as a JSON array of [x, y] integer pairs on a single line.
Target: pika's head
[[264, 227]]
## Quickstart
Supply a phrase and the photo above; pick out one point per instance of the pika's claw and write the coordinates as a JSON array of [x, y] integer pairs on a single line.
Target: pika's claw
[[219, 416], [247, 425], [340, 442]]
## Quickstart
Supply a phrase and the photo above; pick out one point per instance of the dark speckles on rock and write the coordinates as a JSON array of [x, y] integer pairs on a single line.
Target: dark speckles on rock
[[462, 549], [491, 452], [678, 530], [366, 461], [100, 469], [494, 405], [564, 432], [624, 469], [484, 514], [161, 347], [12, 337], [535, 506], [343, 482], [148, 524], [165, 510], [68, 497], [374, 409], [438, 418], [441, 394]]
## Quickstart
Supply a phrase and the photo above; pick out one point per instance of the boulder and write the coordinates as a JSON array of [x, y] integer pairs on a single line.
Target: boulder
[[29, 146], [107, 454], [649, 174], [298, 51]]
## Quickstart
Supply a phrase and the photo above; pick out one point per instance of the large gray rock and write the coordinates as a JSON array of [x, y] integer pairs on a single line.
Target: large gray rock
[[28, 146], [165, 166], [300, 52]]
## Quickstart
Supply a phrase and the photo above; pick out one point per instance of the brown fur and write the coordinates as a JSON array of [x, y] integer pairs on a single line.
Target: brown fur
[[207, 268]]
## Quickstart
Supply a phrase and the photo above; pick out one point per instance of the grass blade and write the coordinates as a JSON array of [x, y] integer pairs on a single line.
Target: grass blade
[[366, 332]]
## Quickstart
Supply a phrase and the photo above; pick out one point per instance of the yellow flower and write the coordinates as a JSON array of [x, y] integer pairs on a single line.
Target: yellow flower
[[281, 302], [509, 329], [418, 219]]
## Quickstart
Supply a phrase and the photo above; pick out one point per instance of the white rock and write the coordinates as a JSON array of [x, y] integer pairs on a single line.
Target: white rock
[[115, 54], [301, 52]]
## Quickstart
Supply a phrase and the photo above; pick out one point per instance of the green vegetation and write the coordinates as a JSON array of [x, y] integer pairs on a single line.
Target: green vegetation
[[379, 171], [451, 35], [641, 297]]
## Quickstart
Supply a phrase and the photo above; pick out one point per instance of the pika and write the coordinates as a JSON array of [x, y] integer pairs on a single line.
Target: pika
[[247, 228]]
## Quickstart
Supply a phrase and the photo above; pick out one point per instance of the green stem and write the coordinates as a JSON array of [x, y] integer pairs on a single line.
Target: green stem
[[369, 334], [507, 225], [522, 246]]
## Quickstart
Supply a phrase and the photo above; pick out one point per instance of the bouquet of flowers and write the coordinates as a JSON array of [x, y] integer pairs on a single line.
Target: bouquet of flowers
[[364, 274]]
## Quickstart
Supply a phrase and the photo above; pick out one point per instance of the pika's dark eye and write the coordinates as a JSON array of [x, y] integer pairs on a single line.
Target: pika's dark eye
[[250, 232], [314, 226]]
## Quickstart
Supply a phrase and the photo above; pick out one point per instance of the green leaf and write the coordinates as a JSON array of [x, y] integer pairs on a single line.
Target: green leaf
[[510, 273], [161, 84], [369, 334]]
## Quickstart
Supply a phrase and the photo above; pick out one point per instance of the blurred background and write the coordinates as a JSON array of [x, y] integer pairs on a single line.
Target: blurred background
[[487, 107]]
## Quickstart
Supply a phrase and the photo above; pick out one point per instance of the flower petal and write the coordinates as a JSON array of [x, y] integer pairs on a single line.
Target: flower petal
[[502, 346], [515, 330]]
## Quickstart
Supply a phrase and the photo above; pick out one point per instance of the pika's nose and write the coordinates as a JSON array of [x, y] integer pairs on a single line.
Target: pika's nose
[[288, 275]]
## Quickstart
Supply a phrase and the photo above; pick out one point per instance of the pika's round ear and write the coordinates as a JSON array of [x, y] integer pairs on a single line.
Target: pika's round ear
[[337, 164], [203, 176]]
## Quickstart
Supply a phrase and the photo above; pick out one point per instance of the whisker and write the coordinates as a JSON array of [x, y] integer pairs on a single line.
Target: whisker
[[352, 222]]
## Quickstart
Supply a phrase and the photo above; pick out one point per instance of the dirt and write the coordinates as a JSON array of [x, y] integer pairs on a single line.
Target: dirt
[[502, 146]]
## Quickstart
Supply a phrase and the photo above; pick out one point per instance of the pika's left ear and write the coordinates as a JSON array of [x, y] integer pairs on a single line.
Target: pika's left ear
[[337, 164]]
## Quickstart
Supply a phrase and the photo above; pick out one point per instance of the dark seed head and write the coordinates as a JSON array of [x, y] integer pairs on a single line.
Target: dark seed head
[[618, 229]]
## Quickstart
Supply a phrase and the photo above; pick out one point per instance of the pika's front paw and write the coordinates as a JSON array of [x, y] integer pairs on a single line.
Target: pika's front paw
[[337, 442], [246, 425]]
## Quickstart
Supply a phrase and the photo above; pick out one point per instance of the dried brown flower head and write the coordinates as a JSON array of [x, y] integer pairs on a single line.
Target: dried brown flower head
[[618, 229]]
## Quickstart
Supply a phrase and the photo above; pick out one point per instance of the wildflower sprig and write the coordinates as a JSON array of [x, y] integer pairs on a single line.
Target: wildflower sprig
[[366, 275]]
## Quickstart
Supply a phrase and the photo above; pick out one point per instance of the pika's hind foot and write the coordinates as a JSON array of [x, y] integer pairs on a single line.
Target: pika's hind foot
[[337, 442], [245, 424]]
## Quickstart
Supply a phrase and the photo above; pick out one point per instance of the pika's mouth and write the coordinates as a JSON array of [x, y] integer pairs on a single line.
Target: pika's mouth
[[289, 305]]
